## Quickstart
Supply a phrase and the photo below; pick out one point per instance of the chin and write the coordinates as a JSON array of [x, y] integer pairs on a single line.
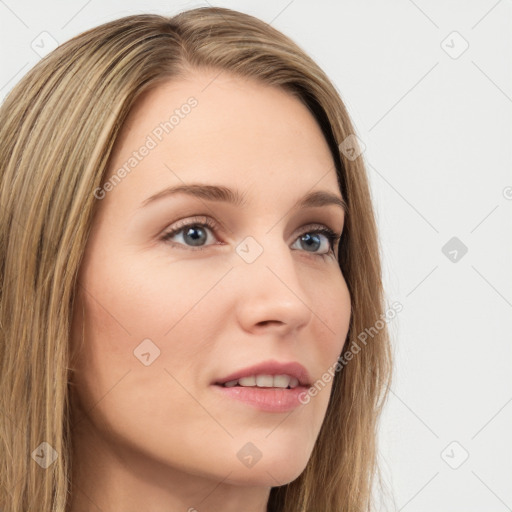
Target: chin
[[272, 473], [276, 460]]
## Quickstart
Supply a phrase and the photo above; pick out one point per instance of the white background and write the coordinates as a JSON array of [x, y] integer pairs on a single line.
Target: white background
[[438, 136]]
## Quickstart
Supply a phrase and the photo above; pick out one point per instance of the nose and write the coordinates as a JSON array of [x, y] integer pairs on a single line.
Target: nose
[[269, 292]]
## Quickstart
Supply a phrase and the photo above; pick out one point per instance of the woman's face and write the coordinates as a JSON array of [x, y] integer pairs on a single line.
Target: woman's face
[[169, 316]]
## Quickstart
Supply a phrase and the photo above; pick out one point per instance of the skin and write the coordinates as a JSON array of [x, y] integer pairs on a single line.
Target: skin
[[157, 437]]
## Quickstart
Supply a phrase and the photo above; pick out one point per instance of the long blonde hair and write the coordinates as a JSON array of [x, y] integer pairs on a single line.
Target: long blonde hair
[[57, 130]]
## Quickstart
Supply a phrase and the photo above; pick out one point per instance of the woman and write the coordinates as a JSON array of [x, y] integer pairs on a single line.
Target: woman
[[189, 255]]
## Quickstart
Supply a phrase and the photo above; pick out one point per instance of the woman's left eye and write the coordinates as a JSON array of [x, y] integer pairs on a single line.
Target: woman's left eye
[[312, 238], [194, 232]]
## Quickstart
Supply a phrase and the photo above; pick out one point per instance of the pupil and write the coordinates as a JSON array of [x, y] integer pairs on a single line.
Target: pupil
[[308, 237], [196, 240]]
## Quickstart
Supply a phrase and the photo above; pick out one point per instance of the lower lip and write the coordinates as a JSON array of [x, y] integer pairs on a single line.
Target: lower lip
[[266, 399]]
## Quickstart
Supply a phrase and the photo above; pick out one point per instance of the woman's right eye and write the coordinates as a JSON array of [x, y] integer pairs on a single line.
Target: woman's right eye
[[193, 232]]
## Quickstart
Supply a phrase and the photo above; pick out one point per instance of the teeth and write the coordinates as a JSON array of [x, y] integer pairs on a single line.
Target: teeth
[[265, 381], [247, 381], [281, 381]]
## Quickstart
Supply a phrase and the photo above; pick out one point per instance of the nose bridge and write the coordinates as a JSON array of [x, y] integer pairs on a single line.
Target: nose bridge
[[266, 253], [269, 285]]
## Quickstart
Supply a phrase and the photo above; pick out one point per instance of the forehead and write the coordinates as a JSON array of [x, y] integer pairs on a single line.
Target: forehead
[[223, 129]]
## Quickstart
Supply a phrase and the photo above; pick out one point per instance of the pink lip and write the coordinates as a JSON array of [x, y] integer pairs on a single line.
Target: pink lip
[[268, 399], [293, 369]]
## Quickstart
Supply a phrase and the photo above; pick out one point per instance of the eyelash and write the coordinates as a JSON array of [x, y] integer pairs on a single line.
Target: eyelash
[[332, 237]]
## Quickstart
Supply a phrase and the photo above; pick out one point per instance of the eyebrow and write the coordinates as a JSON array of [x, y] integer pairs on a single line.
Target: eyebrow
[[224, 194]]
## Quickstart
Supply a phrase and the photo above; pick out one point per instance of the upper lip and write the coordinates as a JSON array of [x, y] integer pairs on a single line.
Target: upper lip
[[292, 368]]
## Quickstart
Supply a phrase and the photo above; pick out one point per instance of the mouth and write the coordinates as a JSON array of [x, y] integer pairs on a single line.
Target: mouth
[[269, 386], [268, 374], [263, 381]]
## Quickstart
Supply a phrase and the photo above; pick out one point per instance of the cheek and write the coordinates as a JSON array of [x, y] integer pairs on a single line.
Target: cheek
[[136, 311], [332, 310], [138, 299], [126, 316]]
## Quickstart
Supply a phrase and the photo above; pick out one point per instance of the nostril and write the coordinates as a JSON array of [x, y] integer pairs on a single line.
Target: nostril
[[264, 323]]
